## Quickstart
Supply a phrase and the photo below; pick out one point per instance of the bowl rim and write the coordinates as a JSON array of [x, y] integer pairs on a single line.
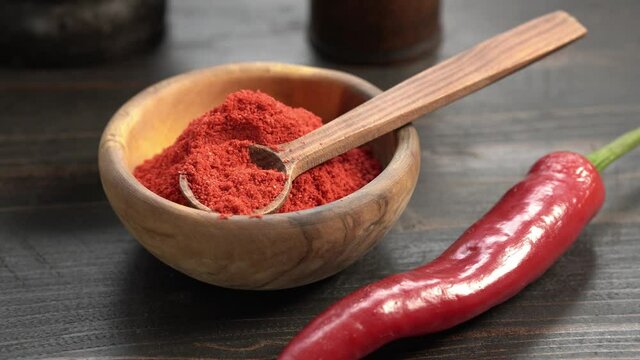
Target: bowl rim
[[112, 147]]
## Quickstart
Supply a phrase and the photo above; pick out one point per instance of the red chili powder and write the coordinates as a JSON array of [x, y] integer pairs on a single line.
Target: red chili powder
[[212, 151]]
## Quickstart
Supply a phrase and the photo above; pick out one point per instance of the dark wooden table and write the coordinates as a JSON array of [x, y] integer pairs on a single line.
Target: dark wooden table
[[75, 284]]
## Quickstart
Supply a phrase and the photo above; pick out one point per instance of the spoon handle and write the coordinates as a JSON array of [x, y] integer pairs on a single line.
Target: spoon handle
[[433, 88]]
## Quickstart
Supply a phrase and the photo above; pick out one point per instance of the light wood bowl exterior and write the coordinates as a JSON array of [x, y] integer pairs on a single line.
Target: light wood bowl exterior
[[277, 250]]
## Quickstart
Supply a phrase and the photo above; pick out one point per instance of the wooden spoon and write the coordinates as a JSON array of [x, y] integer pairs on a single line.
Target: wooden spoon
[[427, 91]]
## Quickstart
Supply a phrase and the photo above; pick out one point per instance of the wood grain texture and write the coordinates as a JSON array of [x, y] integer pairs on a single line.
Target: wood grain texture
[[74, 284]]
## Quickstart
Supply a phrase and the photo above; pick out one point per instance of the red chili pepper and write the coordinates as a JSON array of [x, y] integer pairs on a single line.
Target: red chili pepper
[[512, 245]]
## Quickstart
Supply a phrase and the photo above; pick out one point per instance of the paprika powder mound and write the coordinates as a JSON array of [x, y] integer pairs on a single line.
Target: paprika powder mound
[[213, 152]]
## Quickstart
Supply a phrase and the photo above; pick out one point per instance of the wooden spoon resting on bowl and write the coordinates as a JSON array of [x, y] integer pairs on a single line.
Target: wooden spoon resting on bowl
[[427, 91]]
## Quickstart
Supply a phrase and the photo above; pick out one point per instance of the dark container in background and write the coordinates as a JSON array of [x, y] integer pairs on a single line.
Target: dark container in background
[[45, 33], [374, 31]]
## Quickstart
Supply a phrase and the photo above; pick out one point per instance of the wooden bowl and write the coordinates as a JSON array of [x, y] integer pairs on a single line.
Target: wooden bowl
[[275, 251]]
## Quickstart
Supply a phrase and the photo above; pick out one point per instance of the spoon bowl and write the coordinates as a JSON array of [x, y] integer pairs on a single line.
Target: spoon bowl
[[266, 159], [277, 250]]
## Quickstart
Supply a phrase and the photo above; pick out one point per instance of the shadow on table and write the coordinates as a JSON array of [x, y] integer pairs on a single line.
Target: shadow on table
[[167, 313], [173, 294]]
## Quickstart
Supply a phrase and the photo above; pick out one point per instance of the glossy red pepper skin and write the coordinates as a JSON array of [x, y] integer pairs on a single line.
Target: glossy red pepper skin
[[513, 244]]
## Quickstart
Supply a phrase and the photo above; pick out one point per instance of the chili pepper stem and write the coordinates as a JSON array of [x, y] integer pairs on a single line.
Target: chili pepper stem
[[609, 153]]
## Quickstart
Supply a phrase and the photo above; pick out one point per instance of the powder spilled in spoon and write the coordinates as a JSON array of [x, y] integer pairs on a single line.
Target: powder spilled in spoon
[[213, 152]]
